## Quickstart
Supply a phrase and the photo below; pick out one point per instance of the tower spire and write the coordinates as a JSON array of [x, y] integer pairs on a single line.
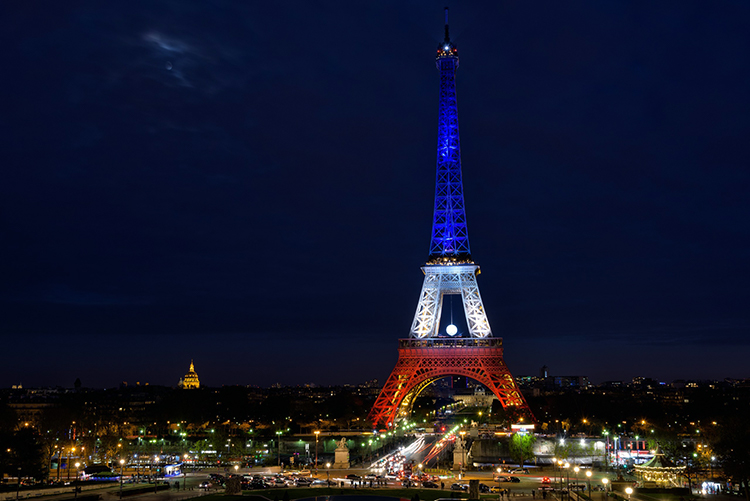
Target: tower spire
[[447, 36], [450, 239]]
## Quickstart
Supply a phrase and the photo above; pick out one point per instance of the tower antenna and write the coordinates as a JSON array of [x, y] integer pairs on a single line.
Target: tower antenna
[[447, 37]]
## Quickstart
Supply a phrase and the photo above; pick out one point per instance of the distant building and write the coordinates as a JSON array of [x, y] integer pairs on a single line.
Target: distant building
[[190, 380]]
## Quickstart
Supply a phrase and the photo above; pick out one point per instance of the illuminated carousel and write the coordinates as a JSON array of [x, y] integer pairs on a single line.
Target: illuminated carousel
[[659, 472]]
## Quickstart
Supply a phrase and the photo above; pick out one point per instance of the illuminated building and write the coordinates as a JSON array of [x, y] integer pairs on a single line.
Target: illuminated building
[[428, 354], [190, 380]]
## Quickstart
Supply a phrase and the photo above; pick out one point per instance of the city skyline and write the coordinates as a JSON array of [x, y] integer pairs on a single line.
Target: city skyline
[[252, 188]]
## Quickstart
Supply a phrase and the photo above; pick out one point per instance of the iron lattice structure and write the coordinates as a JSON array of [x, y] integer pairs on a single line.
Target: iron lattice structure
[[440, 281], [450, 270], [423, 361], [450, 238]]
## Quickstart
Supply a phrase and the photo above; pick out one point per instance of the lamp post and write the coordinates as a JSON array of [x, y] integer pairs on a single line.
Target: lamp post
[[184, 472], [588, 481], [156, 467], [605, 481], [67, 463], [628, 491], [122, 463], [75, 488], [328, 474], [317, 435], [567, 478], [18, 482], [554, 471], [576, 469], [463, 454], [278, 447]]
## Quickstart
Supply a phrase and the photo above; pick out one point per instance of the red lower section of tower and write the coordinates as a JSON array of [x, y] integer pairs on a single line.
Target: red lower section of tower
[[421, 361]]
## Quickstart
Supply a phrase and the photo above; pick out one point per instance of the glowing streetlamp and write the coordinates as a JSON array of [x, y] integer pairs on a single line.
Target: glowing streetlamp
[[628, 491], [278, 448], [576, 469], [605, 481], [317, 435], [588, 480], [75, 489], [328, 474], [156, 464], [122, 463], [184, 472]]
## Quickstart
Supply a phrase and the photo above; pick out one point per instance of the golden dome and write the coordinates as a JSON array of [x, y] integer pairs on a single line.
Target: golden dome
[[191, 379]]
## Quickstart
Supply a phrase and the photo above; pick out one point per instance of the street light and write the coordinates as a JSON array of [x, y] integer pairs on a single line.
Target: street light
[[156, 461], [328, 474], [317, 434], [75, 489], [18, 482], [628, 491], [576, 469], [184, 472], [278, 448], [605, 481], [588, 480], [463, 454], [122, 462], [67, 463]]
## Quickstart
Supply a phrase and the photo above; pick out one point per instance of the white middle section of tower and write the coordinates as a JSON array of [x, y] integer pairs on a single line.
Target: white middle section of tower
[[439, 281]]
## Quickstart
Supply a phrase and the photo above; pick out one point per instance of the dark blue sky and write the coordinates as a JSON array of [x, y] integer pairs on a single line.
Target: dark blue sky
[[251, 184]]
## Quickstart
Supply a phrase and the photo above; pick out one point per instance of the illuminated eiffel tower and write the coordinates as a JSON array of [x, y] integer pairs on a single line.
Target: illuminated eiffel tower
[[425, 356]]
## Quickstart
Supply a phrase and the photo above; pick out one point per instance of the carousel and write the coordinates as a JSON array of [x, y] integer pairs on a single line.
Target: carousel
[[659, 472]]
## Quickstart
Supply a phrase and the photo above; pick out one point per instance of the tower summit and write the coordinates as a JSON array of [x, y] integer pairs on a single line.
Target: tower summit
[[450, 239], [428, 354]]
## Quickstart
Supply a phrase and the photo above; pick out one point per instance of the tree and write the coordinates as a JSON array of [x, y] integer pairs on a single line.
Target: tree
[[733, 449], [522, 447]]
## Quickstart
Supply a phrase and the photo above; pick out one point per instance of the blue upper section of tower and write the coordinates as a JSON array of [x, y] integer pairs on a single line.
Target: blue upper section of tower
[[450, 237]]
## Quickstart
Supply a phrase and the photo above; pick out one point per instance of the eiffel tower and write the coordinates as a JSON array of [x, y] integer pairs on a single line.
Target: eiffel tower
[[427, 356]]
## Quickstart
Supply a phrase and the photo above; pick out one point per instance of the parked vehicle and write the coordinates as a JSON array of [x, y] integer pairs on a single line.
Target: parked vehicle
[[459, 487]]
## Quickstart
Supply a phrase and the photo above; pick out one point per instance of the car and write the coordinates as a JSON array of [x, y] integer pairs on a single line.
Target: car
[[258, 484], [502, 478], [429, 485], [495, 489], [483, 488], [515, 480], [459, 487], [353, 476], [204, 485], [546, 481]]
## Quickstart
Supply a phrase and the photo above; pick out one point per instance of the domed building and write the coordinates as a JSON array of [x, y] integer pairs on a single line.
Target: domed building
[[190, 380]]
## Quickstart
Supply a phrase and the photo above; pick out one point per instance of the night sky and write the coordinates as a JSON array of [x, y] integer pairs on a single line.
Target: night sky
[[250, 185]]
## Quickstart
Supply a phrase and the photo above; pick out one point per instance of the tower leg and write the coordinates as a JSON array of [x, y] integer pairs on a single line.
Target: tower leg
[[427, 317], [476, 318]]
